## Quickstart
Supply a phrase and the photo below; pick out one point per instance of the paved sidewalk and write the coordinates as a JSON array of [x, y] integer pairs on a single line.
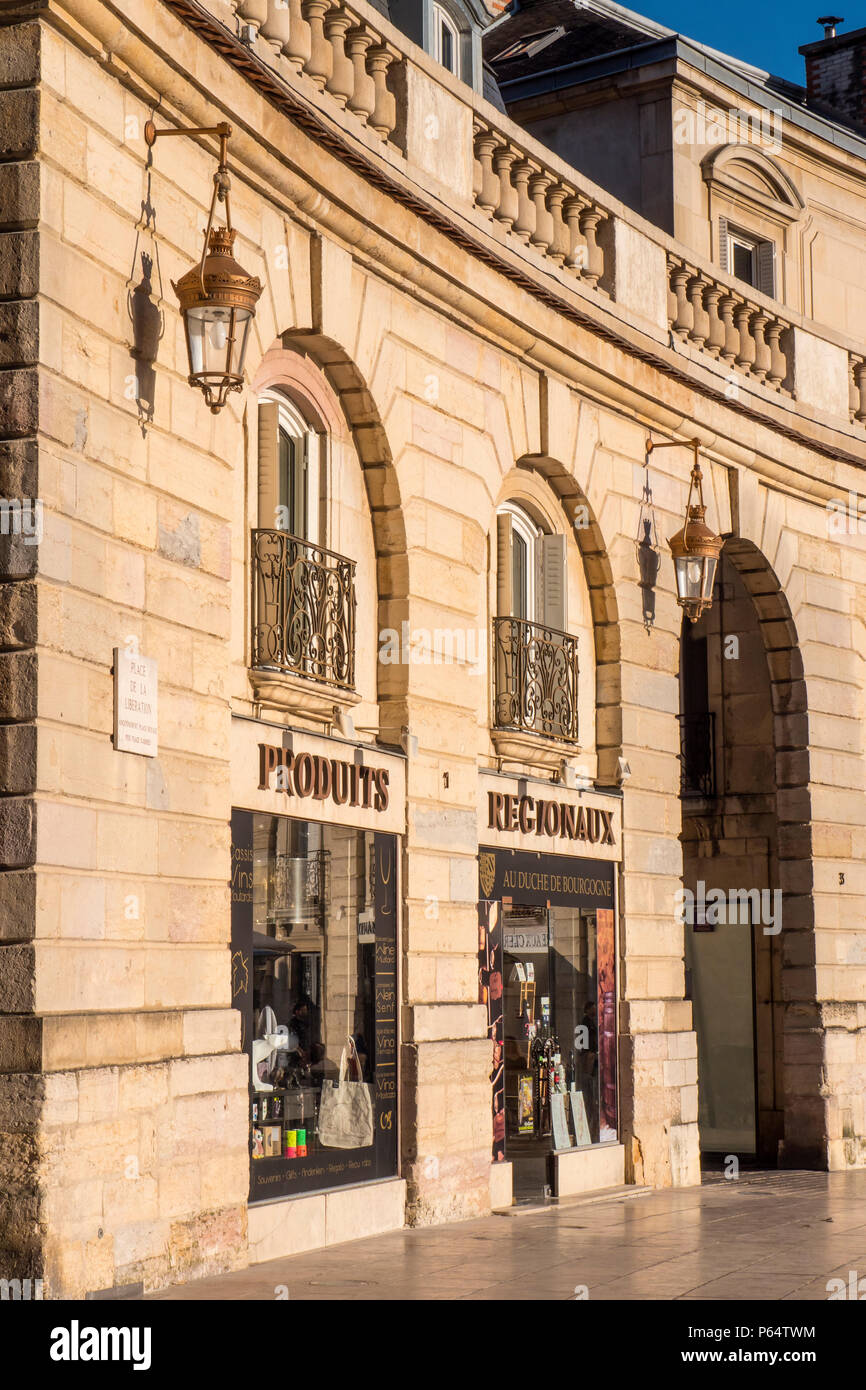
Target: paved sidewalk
[[774, 1236]]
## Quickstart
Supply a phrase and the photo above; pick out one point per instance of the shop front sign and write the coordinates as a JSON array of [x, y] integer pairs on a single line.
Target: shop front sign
[[533, 815], [545, 880], [306, 774]]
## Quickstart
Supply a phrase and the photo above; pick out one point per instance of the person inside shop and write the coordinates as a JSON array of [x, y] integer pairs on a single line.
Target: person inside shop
[[310, 1053], [302, 1024]]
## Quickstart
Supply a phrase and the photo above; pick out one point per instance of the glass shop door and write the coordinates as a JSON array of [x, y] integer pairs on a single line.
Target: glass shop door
[[528, 1040]]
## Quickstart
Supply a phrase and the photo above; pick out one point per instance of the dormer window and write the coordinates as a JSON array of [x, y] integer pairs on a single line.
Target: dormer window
[[450, 32], [446, 40], [529, 45]]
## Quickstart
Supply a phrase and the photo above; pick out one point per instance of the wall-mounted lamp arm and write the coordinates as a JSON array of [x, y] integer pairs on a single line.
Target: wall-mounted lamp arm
[[221, 180]]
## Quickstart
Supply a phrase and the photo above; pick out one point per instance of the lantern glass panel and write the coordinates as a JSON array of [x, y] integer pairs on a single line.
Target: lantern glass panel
[[243, 323], [690, 576], [208, 327]]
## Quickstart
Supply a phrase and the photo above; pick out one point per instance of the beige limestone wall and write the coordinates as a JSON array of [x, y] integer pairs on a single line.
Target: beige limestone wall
[[817, 223], [143, 1167], [146, 524]]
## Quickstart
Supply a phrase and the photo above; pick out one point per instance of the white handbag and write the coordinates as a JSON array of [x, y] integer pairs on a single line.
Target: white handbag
[[346, 1107]]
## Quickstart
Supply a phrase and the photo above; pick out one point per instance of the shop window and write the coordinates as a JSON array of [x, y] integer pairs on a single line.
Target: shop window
[[318, 928], [548, 978]]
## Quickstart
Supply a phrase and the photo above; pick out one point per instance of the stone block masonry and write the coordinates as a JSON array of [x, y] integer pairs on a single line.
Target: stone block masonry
[[458, 366], [22, 1092], [122, 1089]]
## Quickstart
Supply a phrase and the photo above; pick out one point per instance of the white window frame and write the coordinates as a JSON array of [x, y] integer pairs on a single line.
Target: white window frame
[[744, 243], [763, 252], [442, 19], [293, 423], [523, 526]]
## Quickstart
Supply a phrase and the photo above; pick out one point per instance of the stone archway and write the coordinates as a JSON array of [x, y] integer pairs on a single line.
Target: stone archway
[[383, 495], [603, 604], [747, 830]]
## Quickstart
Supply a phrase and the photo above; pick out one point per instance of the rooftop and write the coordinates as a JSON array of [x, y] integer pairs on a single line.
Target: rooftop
[[547, 45]]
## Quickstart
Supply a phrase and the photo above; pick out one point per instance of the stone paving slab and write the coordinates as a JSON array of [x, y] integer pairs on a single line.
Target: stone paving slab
[[763, 1236]]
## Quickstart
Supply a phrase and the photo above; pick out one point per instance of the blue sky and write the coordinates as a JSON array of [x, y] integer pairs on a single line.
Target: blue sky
[[766, 34]]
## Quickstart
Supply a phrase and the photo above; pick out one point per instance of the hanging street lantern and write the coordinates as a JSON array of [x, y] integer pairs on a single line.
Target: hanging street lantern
[[218, 297], [695, 549]]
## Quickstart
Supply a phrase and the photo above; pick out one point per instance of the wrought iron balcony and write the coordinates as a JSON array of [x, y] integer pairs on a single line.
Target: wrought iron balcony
[[697, 754], [534, 679], [303, 609]]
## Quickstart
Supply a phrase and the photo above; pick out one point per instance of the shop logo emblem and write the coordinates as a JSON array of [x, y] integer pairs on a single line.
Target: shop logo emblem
[[487, 872], [240, 974]]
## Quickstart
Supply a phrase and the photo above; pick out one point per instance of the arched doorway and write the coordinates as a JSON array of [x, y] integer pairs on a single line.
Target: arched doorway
[[742, 716]]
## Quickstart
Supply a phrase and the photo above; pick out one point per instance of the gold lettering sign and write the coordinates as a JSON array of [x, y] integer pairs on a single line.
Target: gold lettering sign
[[591, 824], [323, 779]]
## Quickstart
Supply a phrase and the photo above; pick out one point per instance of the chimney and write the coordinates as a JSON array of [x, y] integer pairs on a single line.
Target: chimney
[[836, 72]]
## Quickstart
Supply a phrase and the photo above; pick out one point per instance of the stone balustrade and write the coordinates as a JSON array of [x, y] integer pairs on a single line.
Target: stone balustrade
[[348, 59], [857, 387], [331, 45], [729, 326], [536, 206]]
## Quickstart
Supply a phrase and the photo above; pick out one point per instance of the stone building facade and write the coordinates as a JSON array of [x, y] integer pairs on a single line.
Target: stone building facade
[[458, 332]]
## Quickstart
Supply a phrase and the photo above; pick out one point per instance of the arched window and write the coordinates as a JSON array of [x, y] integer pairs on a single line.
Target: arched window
[[531, 570], [535, 671], [446, 40], [291, 470]]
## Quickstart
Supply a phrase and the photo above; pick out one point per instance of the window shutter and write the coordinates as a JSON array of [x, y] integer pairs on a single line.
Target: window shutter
[[723, 244], [504, 580], [767, 268], [300, 464], [554, 581], [269, 457]]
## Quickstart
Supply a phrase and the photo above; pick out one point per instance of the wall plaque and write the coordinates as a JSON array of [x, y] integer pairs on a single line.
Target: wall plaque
[[136, 725]]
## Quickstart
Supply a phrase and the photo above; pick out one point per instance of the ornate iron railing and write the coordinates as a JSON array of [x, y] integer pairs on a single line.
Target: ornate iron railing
[[303, 609], [697, 754], [535, 679]]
